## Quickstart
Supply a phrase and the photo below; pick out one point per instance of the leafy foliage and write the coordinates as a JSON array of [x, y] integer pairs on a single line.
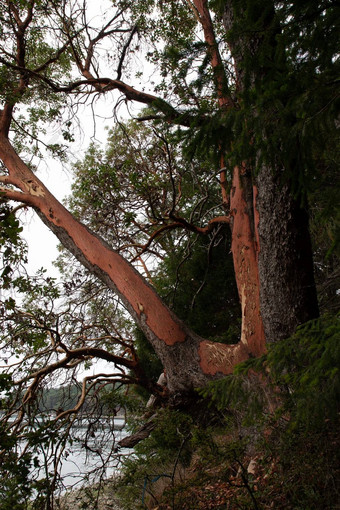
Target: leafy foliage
[[148, 185], [16, 488], [286, 421], [13, 249], [197, 280], [307, 364]]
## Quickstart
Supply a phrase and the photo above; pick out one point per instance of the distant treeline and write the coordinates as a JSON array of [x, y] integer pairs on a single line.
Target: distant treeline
[[55, 399], [66, 397]]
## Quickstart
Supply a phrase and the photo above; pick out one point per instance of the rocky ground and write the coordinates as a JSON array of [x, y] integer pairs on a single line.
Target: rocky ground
[[86, 498]]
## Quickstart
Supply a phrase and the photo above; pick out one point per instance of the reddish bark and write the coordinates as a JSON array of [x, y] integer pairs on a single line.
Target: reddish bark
[[245, 248], [224, 99], [189, 360], [136, 293], [281, 235], [219, 358], [244, 216]]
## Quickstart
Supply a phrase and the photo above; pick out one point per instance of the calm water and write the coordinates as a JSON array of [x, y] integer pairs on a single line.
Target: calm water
[[79, 461]]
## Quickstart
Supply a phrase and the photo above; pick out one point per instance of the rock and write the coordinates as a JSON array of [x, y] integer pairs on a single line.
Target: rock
[[87, 497]]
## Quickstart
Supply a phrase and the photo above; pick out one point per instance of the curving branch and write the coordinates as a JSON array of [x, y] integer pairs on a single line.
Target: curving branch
[[86, 389], [182, 223]]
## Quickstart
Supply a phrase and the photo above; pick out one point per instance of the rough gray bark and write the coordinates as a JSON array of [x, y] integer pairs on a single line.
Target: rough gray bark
[[287, 288], [143, 433]]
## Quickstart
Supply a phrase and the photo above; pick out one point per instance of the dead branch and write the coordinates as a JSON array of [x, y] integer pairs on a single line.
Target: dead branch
[[143, 433]]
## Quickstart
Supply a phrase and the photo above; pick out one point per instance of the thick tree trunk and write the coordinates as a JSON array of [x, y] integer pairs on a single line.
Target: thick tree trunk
[[270, 238], [288, 292], [284, 253], [245, 255], [243, 214], [189, 360]]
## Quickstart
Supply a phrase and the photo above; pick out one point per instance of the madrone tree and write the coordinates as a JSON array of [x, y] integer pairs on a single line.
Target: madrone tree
[[251, 84]]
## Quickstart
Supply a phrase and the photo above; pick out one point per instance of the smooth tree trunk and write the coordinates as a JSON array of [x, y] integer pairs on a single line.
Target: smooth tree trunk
[[245, 250], [189, 360], [242, 210]]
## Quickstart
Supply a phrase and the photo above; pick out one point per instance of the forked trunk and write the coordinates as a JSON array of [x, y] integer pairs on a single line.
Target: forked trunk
[[189, 360], [270, 239], [243, 213]]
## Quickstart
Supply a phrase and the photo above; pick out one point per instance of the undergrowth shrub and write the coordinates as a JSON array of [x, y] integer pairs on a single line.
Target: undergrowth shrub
[[156, 458], [289, 400]]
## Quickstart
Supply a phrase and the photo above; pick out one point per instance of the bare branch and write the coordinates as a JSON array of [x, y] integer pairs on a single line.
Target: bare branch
[[124, 50], [143, 433]]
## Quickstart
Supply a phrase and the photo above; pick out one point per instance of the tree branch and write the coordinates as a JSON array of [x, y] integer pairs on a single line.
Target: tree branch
[[221, 83], [125, 48], [143, 433]]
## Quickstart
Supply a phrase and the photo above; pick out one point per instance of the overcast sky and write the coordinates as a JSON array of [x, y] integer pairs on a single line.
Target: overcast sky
[[42, 243]]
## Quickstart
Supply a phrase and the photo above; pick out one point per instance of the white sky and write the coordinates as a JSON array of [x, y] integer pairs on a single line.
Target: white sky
[[57, 177], [42, 243]]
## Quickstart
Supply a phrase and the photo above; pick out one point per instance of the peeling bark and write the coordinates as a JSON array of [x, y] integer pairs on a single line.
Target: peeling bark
[[245, 255], [270, 239], [245, 241], [190, 361], [283, 251]]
